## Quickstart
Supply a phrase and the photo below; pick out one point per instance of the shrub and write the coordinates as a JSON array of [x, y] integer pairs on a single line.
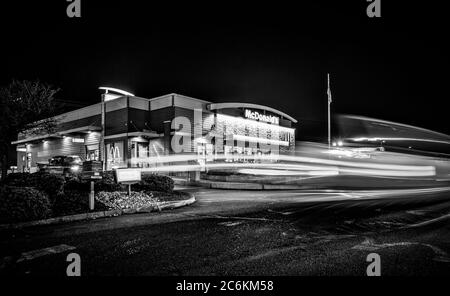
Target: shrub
[[77, 184], [107, 183], [153, 182], [75, 202], [18, 179], [51, 184], [23, 204]]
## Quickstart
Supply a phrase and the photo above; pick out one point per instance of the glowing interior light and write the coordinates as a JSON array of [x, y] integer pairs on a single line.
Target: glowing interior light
[[230, 120], [260, 140], [201, 141], [77, 140]]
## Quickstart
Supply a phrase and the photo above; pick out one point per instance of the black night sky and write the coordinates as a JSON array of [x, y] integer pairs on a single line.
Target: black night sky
[[275, 53]]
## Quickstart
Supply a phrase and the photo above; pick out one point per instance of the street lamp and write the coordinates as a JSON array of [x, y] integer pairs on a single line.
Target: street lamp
[[107, 96]]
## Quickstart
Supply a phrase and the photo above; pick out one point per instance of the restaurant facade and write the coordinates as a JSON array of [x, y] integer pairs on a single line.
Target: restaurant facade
[[130, 131]]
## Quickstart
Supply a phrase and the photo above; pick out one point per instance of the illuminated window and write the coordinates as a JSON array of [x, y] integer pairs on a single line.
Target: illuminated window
[[114, 155]]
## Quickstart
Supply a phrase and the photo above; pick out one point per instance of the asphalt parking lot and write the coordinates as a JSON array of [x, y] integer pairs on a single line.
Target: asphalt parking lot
[[322, 232]]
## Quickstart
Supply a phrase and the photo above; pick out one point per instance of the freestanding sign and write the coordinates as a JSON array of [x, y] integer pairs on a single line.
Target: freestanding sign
[[128, 176]]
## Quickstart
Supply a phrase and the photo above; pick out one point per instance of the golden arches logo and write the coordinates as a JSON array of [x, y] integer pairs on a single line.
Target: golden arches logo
[[114, 153]]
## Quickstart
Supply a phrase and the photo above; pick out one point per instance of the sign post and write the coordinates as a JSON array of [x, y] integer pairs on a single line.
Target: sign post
[[91, 197], [92, 170]]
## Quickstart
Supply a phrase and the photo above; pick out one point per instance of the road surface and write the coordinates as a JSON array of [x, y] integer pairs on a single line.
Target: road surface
[[293, 232]]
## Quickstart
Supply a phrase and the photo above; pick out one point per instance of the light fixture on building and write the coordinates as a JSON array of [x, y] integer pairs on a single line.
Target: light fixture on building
[[112, 93], [77, 140]]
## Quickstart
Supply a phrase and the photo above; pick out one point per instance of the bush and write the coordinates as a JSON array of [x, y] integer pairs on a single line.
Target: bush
[[23, 204], [77, 184], [107, 183], [18, 179], [153, 182], [51, 184], [75, 202]]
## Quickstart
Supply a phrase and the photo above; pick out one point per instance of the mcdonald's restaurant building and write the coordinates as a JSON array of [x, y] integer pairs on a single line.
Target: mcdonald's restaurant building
[[135, 131]]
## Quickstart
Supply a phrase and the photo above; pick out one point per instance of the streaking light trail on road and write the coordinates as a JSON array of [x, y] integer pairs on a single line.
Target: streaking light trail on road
[[296, 165]]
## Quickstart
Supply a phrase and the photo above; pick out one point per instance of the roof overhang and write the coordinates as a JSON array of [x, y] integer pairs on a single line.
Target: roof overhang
[[135, 134], [249, 105], [83, 129], [34, 139]]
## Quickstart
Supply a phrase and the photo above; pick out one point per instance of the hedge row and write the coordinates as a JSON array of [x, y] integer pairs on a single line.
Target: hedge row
[[52, 185], [149, 182], [23, 204], [25, 196], [152, 182]]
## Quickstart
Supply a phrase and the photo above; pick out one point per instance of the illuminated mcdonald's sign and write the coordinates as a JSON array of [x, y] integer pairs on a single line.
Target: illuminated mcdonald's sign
[[261, 117], [115, 154]]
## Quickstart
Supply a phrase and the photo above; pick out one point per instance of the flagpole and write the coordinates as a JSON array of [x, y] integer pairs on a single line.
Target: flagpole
[[329, 111]]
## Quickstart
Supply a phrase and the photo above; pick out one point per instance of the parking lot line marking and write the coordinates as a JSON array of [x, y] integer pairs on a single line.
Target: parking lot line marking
[[44, 252]]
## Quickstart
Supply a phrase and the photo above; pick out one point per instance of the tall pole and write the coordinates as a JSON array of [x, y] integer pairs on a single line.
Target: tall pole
[[329, 126], [102, 136], [329, 111]]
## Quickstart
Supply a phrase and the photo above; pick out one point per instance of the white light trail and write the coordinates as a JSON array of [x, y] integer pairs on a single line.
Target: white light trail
[[379, 139], [260, 140], [295, 159], [315, 167]]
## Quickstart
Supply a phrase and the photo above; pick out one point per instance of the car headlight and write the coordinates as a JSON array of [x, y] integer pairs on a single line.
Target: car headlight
[[74, 168]]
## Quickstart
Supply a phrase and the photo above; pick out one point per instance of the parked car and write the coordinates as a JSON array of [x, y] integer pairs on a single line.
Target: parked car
[[63, 164]]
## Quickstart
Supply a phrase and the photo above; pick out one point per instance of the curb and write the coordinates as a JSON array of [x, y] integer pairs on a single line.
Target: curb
[[177, 204], [102, 214], [238, 185], [282, 187]]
